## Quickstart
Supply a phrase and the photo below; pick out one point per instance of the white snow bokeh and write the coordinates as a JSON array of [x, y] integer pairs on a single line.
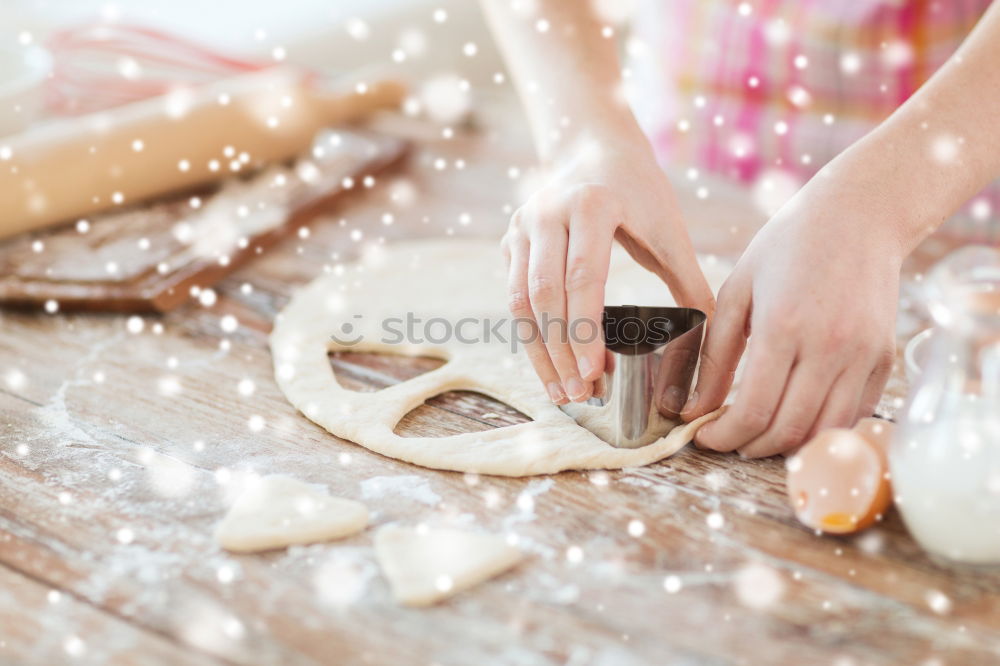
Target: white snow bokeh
[[446, 98], [168, 476], [945, 148], [15, 379], [981, 209], [850, 63], [672, 584], [773, 188], [209, 626], [614, 12], [343, 579], [938, 602], [897, 54], [777, 32], [758, 586]]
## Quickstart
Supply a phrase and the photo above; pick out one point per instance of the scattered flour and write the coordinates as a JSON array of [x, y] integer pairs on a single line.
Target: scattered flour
[[636, 481], [55, 413], [526, 502], [342, 578], [409, 486]]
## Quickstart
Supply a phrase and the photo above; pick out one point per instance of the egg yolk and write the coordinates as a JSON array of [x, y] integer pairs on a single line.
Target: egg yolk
[[839, 520]]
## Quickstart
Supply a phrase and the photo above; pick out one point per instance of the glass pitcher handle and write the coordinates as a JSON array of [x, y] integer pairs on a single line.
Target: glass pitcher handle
[[991, 375]]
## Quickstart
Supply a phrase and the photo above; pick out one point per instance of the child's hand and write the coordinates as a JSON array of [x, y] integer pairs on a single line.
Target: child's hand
[[558, 248], [818, 288]]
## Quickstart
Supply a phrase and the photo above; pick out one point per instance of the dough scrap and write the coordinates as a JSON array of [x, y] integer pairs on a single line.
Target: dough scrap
[[425, 566], [448, 280], [278, 511]]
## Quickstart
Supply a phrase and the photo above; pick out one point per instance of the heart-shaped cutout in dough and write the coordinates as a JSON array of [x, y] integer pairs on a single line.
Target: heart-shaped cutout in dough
[[426, 565], [456, 412], [368, 372], [277, 511]]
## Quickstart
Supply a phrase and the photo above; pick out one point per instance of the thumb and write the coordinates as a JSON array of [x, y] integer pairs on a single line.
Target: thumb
[[724, 344]]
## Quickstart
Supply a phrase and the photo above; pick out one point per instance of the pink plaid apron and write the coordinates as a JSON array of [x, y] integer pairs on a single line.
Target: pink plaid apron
[[787, 84]]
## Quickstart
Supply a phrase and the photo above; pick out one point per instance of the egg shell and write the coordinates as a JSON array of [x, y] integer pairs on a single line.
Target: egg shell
[[838, 482], [879, 432]]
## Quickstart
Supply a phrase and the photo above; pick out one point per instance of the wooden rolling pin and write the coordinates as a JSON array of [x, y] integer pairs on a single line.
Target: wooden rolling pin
[[67, 169]]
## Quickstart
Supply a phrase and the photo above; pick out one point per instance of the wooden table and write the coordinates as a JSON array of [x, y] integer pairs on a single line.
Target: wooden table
[[118, 449]]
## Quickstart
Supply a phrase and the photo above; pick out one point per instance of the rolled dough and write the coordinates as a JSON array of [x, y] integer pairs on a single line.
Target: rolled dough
[[427, 565], [448, 280], [278, 511]]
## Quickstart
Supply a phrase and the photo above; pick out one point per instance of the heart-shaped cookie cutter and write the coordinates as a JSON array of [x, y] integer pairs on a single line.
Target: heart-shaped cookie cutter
[[652, 353]]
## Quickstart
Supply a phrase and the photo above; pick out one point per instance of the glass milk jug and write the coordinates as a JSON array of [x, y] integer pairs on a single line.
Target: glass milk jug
[[945, 458]]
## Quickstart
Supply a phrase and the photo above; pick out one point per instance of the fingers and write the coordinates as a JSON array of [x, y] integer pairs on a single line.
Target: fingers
[[872, 392], [841, 407], [750, 415], [587, 263], [856, 392], [803, 411], [527, 329], [813, 399], [675, 263], [724, 344], [557, 271], [688, 285], [801, 403], [547, 295], [675, 255]]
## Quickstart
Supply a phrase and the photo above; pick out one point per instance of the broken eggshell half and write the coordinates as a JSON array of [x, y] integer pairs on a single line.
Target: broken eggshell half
[[838, 482]]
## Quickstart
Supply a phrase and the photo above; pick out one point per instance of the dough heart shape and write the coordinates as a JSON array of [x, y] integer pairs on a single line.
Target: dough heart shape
[[426, 565], [278, 511], [457, 285]]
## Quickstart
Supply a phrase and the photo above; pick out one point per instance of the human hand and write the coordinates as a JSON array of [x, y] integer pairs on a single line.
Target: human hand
[[558, 248], [817, 288]]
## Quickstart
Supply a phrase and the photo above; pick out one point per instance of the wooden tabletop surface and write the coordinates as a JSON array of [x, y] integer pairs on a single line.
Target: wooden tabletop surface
[[119, 447]]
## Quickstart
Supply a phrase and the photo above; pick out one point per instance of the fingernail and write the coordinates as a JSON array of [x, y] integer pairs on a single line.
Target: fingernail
[[575, 388], [585, 367], [673, 399], [691, 403], [556, 393], [699, 437]]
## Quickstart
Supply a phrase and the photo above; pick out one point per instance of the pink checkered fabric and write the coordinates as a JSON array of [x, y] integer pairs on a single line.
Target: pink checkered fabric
[[763, 84]]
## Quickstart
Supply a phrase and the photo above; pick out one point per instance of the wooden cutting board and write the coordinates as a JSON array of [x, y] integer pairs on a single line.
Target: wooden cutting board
[[155, 257]]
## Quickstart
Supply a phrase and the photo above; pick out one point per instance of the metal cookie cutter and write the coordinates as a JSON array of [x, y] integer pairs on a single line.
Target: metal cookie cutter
[[652, 353]]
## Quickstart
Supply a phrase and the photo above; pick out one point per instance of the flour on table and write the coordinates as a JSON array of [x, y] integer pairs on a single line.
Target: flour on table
[[426, 565], [277, 511], [525, 502], [450, 280], [406, 486], [342, 578]]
